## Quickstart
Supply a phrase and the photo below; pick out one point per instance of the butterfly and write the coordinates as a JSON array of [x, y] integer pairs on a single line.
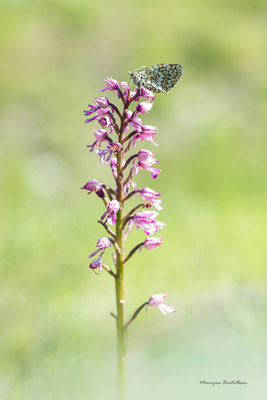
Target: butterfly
[[160, 78]]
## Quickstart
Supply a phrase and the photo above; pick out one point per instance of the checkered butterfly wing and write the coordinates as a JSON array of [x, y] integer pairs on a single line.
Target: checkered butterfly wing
[[160, 78]]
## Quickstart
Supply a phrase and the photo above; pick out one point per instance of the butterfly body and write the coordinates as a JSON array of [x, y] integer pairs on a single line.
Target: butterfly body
[[160, 78]]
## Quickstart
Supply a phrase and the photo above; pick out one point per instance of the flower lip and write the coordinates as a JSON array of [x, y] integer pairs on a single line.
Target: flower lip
[[166, 309], [105, 155], [92, 110], [146, 165], [110, 215], [102, 243], [91, 119]]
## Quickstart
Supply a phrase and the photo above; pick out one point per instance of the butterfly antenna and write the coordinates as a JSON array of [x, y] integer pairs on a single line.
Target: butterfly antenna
[[143, 66]]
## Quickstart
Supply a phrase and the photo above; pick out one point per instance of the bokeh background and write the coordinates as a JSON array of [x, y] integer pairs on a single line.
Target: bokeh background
[[57, 339]]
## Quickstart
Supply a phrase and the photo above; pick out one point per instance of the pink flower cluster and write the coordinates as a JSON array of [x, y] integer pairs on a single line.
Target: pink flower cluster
[[113, 150]]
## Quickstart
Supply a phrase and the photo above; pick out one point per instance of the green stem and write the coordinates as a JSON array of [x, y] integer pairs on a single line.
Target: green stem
[[133, 251], [120, 275], [136, 313]]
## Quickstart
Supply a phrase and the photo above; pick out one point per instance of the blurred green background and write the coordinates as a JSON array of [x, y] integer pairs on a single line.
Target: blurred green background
[[57, 339]]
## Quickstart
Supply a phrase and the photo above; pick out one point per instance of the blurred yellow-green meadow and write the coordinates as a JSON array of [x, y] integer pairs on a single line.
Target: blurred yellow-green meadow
[[57, 338]]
